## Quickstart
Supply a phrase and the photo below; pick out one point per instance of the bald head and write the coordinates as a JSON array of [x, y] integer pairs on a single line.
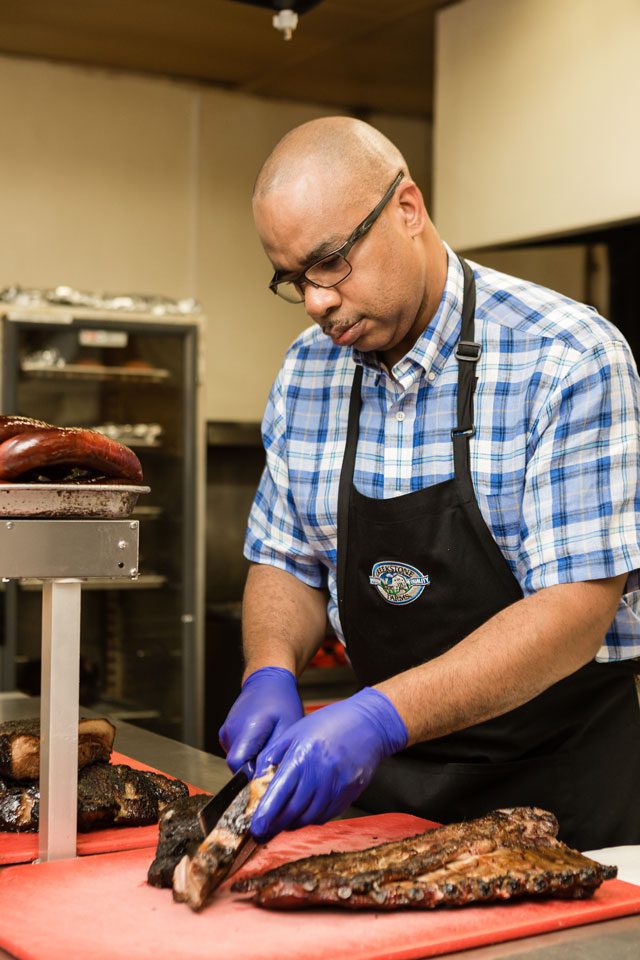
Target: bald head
[[376, 286], [349, 153]]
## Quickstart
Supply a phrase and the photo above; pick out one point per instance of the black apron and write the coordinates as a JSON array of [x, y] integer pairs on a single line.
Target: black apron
[[419, 572]]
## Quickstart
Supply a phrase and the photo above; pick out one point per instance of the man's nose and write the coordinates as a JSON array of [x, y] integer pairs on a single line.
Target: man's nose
[[318, 301]]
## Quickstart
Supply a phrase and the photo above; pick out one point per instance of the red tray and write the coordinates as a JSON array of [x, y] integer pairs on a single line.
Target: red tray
[[23, 847], [102, 907]]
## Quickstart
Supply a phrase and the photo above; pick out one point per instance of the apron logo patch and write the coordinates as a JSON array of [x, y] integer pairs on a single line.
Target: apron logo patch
[[398, 583]]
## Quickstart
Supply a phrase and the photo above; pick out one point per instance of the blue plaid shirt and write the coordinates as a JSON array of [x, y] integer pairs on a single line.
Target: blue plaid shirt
[[555, 460]]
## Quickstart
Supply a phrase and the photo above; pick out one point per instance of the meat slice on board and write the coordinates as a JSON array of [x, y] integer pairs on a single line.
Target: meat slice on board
[[109, 795], [196, 877], [180, 833], [112, 795], [20, 745]]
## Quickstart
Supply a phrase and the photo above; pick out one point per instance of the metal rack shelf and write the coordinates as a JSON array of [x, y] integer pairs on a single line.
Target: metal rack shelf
[[65, 314], [96, 372]]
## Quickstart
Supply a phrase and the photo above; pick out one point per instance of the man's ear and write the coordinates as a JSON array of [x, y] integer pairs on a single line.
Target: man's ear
[[412, 208]]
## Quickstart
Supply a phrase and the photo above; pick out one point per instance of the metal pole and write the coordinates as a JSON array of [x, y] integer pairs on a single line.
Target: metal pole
[[192, 599], [59, 719], [9, 648]]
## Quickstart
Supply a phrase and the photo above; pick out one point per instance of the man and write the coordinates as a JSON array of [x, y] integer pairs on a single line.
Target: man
[[453, 464]]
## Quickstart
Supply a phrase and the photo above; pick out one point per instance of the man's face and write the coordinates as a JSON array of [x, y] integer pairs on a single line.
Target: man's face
[[379, 305]]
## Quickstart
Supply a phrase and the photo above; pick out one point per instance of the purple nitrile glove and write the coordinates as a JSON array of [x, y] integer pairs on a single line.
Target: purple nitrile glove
[[325, 761], [267, 705]]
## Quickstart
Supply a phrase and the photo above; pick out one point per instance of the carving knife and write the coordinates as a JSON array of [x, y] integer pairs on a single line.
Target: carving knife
[[210, 814]]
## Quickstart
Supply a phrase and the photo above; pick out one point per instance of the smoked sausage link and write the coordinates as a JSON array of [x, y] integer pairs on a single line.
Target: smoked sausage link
[[11, 426], [35, 449]]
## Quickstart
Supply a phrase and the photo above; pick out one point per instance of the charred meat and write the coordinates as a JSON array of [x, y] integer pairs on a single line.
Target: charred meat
[[166, 790], [111, 795], [20, 746], [180, 834], [108, 795], [508, 853], [19, 807], [195, 878]]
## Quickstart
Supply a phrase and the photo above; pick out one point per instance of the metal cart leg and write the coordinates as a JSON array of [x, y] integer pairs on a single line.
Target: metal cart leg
[[59, 719], [8, 643]]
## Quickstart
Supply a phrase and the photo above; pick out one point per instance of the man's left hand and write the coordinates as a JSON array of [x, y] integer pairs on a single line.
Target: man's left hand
[[325, 760]]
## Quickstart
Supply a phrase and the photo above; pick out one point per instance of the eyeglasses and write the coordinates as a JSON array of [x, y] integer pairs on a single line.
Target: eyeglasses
[[332, 269]]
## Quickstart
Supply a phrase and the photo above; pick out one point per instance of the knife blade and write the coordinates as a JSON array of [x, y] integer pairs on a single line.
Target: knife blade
[[247, 850], [210, 814]]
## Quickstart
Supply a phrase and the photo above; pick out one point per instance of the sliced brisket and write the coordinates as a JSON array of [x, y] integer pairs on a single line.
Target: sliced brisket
[[180, 833], [20, 746], [196, 877], [108, 795]]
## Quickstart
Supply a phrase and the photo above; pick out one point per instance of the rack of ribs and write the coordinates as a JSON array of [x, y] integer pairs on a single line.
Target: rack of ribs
[[508, 853]]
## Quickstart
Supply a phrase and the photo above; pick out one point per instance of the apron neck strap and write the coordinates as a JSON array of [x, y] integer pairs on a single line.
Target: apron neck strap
[[346, 479], [467, 353]]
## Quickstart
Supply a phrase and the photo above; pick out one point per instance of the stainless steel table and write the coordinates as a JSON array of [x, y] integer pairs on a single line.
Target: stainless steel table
[[610, 940]]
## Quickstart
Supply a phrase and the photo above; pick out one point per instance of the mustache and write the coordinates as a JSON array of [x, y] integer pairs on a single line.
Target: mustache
[[333, 327]]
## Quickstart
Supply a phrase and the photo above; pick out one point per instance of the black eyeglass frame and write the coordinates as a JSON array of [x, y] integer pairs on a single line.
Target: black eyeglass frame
[[360, 231]]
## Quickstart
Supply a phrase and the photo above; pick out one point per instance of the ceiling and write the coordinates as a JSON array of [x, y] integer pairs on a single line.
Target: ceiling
[[357, 55]]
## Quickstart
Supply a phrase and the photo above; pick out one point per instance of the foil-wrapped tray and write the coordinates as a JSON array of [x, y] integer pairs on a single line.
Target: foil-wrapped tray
[[159, 306], [69, 500]]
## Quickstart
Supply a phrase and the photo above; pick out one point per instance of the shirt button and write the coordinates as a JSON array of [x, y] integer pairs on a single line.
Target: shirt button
[[431, 376], [400, 416]]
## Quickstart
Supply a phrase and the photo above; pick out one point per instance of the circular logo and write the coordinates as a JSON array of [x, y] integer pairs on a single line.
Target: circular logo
[[398, 583]]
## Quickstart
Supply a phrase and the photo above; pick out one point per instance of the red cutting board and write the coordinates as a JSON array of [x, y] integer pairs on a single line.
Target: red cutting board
[[23, 847], [101, 907]]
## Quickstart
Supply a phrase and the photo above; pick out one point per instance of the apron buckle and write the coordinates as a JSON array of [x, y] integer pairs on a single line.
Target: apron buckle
[[470, 432], [468, 350]]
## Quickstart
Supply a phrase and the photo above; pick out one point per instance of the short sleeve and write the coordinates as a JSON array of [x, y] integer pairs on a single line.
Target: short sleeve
[[581, 496], [274, 533]]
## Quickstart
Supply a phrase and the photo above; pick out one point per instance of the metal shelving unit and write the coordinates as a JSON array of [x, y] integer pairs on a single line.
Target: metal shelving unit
[[144, 638]]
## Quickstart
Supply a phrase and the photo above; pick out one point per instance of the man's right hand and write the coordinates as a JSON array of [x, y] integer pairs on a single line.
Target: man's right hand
[[268, 704]]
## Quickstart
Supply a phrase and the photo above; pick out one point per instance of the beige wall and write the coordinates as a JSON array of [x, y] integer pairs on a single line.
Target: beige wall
[[94, 180], [249, 328], [413, 137], [537, 125], [128, 184]]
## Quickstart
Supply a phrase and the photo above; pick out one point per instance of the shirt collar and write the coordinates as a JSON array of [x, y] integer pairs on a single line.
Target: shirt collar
[[431, 348]]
